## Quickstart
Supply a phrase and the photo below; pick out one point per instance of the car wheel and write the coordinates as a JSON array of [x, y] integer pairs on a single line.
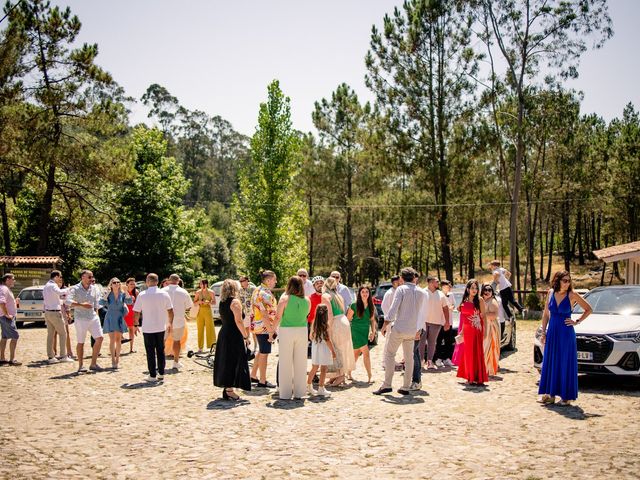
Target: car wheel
[[512, 341]]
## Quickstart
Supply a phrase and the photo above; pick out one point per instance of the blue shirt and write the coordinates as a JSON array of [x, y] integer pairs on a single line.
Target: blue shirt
[[78, 294], [406, 308]]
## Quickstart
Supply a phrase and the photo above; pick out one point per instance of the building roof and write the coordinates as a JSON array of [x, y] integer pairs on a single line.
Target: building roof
[[618, 252], [29, 260]]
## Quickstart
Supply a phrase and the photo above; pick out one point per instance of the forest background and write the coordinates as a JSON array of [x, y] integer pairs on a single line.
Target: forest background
[[473, 149]]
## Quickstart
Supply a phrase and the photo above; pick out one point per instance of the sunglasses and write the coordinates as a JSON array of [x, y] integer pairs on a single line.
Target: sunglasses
[[115, 283], [303, 275], [566, 280], [486, 290]]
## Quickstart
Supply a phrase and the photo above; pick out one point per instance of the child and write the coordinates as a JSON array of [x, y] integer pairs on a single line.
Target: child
[[322, 352]]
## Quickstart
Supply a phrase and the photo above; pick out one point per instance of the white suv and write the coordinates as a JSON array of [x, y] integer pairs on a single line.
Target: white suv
[[609, 339]]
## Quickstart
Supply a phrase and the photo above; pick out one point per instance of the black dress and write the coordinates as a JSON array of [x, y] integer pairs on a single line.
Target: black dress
[[230, 365]]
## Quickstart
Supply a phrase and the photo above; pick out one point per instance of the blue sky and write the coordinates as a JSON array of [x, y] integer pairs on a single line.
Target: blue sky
[[219, 56]]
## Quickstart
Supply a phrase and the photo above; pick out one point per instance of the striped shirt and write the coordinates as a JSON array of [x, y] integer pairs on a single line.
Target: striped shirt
[[408, 302]]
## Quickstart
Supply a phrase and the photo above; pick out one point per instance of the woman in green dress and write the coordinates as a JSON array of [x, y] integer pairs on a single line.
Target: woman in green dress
[[361, 314]]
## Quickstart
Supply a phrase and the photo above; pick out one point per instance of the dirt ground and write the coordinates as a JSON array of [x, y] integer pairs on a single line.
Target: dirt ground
[[113, 425]]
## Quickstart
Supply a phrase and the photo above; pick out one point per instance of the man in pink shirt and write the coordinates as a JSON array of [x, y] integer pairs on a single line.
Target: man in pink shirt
[[8, 312]]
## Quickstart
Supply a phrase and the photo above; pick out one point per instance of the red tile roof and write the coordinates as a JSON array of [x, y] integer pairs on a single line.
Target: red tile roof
[[29, 260]]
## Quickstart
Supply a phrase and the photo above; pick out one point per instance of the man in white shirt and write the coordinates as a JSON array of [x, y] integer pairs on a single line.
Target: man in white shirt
[[308, 286], [400, 328], [343, 290], [52, 294], [435, 317], [501, 276], [155, 305], [181, 301], [387, 300]]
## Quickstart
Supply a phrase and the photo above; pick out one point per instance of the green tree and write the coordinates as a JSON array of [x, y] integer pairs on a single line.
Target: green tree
[[269, 211]]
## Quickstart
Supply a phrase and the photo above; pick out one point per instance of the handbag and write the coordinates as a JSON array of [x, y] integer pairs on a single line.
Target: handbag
[[459, 339], [193, 312], [336, 365]]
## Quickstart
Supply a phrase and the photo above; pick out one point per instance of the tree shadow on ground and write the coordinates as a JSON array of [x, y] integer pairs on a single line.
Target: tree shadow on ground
[[286, 404], [140, 385], [572, 412], [222, 404]]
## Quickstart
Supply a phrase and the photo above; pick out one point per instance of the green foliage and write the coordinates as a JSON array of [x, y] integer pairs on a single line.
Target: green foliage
[[269, 215], [533, 302]]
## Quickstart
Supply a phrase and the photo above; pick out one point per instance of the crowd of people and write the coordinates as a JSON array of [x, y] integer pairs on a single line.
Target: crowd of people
[[314, 318]]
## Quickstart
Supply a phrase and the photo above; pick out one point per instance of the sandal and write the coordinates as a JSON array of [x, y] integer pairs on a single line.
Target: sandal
[[14, 363], [547, 400], [564, 403]]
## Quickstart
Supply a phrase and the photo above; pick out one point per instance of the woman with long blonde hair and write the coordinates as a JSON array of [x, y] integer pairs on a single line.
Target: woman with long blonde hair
[[114, 323], [230, 366], [340, 332]]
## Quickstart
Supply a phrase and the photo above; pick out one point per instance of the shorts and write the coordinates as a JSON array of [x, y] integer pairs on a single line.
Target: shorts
[[176, 334], [91, 326], [9, 328], [264, 345]]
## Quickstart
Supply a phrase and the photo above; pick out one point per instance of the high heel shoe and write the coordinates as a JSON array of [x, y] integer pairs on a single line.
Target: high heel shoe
[[226, 396]]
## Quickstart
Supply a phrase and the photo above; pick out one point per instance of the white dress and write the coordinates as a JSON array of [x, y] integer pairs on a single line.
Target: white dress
[[320, 353], [342, 343]]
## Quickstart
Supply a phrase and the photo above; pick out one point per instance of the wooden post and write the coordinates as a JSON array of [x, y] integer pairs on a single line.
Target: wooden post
[[604, 267]]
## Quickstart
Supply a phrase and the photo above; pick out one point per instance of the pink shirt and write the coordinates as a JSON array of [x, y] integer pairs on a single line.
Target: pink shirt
[[7, 298]]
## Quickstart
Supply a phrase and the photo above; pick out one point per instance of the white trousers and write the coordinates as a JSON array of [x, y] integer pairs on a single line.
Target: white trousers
[[292, 350], [394, 340]]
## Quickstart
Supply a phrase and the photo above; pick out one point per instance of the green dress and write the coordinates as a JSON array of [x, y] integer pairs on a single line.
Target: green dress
[[360, 327]]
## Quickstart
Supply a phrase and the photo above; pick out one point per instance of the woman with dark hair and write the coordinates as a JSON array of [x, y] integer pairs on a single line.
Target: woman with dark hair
[[491, 330], [133, 292], [472, 312], [291, 318], [560, 362], [205, 298], [230, 365], [363, 327]]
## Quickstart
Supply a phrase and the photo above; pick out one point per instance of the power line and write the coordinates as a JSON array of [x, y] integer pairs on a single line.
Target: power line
[[10, 10]]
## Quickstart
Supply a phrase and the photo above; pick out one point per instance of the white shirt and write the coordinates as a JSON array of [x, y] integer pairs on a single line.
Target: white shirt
[[503, 282], [52, 293], [408, 303], [387, 300], [153, 303], [345, 293], [433, 312], [181, 301], [500, 309], [308, 288]]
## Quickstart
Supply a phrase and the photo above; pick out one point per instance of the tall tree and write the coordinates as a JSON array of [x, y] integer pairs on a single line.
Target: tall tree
[[269, 210], [527, 34], [421, 67]]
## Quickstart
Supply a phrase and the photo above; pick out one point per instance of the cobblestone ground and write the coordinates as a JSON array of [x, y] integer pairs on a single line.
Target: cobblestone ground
[[113, 425]]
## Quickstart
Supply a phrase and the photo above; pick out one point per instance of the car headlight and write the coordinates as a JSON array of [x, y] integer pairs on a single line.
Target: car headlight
[[626, 336]]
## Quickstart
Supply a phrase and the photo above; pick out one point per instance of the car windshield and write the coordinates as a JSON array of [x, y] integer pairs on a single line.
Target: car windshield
[[217, 289], [619, 301], [30, 295]]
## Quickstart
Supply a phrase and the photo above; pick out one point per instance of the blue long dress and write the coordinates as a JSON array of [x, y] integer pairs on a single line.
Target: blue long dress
[[560, 362]]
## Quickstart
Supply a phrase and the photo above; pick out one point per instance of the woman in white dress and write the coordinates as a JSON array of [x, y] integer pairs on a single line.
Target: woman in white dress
[[340, 332]]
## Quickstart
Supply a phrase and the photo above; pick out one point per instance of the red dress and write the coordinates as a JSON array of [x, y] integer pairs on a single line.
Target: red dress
[[472, 365], [129, 316]]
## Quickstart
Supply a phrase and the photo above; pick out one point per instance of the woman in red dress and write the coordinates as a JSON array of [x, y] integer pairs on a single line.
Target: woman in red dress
[[133, 330], [472, 364]]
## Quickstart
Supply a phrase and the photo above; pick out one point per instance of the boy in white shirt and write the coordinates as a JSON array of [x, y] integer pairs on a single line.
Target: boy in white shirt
[[501, 277], [181, 301]]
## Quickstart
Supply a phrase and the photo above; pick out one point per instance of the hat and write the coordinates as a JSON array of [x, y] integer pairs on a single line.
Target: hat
[[319, 278]]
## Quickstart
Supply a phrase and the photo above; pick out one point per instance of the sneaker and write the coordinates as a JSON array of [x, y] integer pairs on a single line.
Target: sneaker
[[53, 360], [310, 390], [322, 392], [415, 386], [266, 385], [448, 363], [177, 365], [160, 378], [65, 360], [439, 363], [96, 368], [150, 379], [82, 370]]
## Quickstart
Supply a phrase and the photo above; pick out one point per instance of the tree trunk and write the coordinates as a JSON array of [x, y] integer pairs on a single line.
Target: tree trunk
[[445, 246], [480, 251], [542, 246], [566, 237], [5, 225], [471, 268], [311, 236], [495, 239], [45, 211], [435, 254], [547, 277], [579, 235], [349, 233]]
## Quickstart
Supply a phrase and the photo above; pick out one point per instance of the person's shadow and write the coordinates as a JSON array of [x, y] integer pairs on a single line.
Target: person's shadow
[[403, 400], [572, 412], [140, 385], [286, 404], [222, 404]]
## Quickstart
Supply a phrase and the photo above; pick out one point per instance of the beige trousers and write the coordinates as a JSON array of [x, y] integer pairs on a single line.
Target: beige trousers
[[394, 341], [292, 361], [55, 323]]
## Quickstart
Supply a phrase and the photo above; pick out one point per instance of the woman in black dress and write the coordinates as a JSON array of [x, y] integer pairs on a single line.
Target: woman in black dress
[[230, 366]]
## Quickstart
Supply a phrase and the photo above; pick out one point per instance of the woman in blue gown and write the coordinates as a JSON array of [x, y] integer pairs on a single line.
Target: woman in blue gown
[[560, 362]]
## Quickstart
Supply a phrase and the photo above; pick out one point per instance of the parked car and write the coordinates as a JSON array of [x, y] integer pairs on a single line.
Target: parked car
[[608, 340], [217, 288], [377, 301], [30, 305]]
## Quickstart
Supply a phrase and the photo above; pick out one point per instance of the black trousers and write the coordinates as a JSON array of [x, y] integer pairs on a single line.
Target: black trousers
[[445, 344], [506, 295], [154, 345]]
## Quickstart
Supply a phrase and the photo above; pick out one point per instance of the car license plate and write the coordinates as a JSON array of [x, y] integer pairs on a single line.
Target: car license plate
[[585, 356]]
